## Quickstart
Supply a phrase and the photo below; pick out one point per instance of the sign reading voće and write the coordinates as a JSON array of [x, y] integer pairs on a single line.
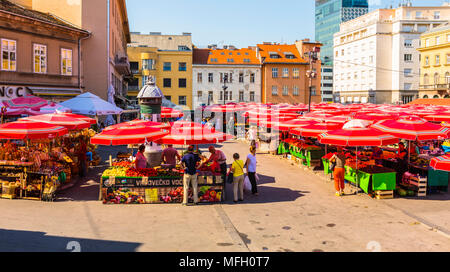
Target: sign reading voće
[[11, 92]]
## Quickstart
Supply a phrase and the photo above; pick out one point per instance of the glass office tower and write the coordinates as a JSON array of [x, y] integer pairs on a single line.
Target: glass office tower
[[329, 15]]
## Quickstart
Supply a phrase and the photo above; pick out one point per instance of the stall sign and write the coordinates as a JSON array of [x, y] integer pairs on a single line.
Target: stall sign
[[12, 92]]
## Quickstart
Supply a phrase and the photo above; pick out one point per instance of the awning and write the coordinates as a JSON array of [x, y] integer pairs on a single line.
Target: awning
[[55, 91]]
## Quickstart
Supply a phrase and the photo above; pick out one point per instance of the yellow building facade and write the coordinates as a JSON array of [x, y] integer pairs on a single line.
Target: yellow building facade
[[435, 63], [172, 70]]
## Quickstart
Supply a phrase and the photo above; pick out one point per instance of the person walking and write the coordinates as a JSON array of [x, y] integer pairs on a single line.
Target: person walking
[[339, 171], [237, 168], [82, 158], [169, 156], [250, 164], [189, 162]]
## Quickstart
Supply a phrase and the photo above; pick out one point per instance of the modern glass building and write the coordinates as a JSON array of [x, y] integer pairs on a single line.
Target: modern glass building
[[329, 15]]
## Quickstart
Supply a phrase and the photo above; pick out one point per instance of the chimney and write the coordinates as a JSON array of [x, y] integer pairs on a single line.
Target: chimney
[[267, 43], [232, 47], [225, 47]]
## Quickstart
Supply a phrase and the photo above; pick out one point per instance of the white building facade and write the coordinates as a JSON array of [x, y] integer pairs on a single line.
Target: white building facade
[[233, 68], [376, 58]]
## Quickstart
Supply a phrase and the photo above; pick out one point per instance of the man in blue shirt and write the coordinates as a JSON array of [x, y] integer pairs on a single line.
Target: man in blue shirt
[[189, 162]]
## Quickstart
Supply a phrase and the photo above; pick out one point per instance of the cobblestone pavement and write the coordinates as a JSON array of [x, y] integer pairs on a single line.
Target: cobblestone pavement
[[295, 211]]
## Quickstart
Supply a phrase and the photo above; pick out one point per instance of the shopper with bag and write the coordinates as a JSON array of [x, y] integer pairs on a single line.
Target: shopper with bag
[[237, 169], [250, 164]]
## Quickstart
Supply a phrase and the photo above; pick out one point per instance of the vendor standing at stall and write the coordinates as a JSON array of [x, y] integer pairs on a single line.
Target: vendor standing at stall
[[169, 156], [402, 160], [377, 155], [82, 157], [141, 161], [189, 162], [219, 157]]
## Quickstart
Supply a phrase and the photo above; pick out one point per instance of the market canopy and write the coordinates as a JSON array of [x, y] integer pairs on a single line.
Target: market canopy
[[315, 130], [441, 163], [60, 120], [357, 137], [413, 129], [27, 130], [90, 104], [124, 135], [167, 113]]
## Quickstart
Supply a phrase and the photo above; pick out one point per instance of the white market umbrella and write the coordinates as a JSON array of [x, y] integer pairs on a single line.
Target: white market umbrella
[[90, 104]]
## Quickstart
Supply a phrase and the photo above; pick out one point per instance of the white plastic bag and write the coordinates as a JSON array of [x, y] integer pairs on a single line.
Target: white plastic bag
[[247, 184], [256, 177]]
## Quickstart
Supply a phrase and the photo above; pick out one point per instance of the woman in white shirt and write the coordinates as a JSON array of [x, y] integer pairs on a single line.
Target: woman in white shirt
[[250, 164]]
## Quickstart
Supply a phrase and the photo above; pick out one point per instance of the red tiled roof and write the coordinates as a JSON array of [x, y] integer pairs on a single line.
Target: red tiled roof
[[281, 51], [200, 56], [244, 56]]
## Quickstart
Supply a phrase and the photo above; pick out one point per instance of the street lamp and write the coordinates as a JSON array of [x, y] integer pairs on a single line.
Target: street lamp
[[225, 87], [313, 58]]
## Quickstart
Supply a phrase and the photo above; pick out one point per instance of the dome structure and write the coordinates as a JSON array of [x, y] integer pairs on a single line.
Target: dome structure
[[150, 90]]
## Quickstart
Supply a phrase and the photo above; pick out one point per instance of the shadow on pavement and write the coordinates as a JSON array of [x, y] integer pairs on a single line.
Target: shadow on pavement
[[31, 241]]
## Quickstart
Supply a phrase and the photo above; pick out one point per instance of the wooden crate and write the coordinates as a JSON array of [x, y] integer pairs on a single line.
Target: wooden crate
[[384, 194]]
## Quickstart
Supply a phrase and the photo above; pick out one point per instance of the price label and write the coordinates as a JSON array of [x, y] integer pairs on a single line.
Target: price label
[[151, 195]]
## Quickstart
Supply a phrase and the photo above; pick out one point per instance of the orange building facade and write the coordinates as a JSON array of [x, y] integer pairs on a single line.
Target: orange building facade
[[284, 73]]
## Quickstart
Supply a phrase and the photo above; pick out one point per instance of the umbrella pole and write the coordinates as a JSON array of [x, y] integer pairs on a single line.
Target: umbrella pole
[[357, 181]]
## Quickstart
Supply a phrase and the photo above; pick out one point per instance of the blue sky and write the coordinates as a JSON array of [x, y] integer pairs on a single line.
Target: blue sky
[[234, 22]]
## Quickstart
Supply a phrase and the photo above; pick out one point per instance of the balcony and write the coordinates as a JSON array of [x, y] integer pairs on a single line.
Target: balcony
[[122, 64], [435, 87]]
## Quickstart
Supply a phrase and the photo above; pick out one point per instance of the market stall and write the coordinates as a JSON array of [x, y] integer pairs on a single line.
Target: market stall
[[123, 183]]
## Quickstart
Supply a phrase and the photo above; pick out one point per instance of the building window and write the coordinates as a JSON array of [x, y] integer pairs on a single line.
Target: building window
[[407, 57], [210, 77], [182, 100], [436, 78], [181, 83], [418, 14], [447, 78], [221, 95], [407, 72], [241, 77], [199, 95], [66, 62], [40, 58], [252, 78], [210, 96], [182, 67], [274, 90], [199, 77], [448, 58], [438, 40], [448, 37], [167, 83], [252, 96], [148, 64], [408, 43], [241, 96], [168, 97], [313, 90], [167, 66], [426, 79], [144, 80], [437, 15], [427, 42], [296, 72], [274, 72], [285, 72], [295, 91], [8, 55], [438, 60], [285, 90], [427, 61], [407, 86]]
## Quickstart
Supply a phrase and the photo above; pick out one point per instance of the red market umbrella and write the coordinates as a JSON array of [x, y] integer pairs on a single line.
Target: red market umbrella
[[413, 129], [167, 113], [295, 123], [316, 129], [318, 116], [91, 121], [357, 137], [137, 122], [194, 136], [27, 130], [441, 163], [438, 117], [26, 102], [374, 117], [124, 135], [59, 120]]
